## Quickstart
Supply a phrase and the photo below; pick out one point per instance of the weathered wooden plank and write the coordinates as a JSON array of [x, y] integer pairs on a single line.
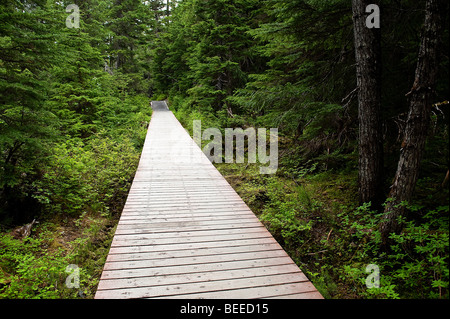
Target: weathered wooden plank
[[272, 291], [159, 220], [156, 221], [182, 227], [164, 217], [167, 196], [191, 234], [142, 241], [213, 182], [175, 195], [174, 208], [190, 246], [200, 198], [204, 204], [164, 280], [193, 260], [211, 286], [205, 251], [199, 268], [209, 210]]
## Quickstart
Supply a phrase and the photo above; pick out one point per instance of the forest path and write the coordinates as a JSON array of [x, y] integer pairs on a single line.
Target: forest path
[[185, 233]]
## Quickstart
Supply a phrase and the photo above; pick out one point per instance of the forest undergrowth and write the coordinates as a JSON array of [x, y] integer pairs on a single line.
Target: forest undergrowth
[[314, 214]]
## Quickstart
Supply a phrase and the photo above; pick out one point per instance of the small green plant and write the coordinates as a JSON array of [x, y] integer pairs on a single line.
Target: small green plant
[[283, 214]]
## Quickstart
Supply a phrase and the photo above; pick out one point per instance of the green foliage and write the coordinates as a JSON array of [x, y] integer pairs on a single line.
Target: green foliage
[[26, 276], [206, 52], [59, 99], [298, 74], [26, 125], [92, 175], [36, 267], [416, 266], [283, 215], [420, 255], [187, 116]]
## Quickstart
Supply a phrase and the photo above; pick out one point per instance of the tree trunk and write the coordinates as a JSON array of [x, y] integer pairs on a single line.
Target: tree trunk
[[368, 74], [417, 121]]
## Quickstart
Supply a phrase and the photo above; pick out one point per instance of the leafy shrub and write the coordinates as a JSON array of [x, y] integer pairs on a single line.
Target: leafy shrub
[[87, 176], [416, 266], [28, 271], [283, 214]]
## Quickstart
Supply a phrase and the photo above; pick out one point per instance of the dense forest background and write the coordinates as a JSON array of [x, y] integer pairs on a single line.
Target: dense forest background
[[75, 107]]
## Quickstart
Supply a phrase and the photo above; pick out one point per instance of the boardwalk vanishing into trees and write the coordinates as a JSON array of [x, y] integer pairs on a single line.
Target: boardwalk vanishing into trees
[[185, 233]]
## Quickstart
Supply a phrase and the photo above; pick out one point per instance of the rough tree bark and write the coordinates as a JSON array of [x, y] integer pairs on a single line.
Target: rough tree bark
[[420, 99], [368, 75]]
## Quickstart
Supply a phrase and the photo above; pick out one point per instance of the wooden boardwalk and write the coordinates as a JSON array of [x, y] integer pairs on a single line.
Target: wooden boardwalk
[[185, 233]]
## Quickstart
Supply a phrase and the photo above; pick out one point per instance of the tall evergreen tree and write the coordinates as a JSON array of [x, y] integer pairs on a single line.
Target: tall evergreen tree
[[220, 57], [209, 46], [309, 70], [130, 23], [27, 46]]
